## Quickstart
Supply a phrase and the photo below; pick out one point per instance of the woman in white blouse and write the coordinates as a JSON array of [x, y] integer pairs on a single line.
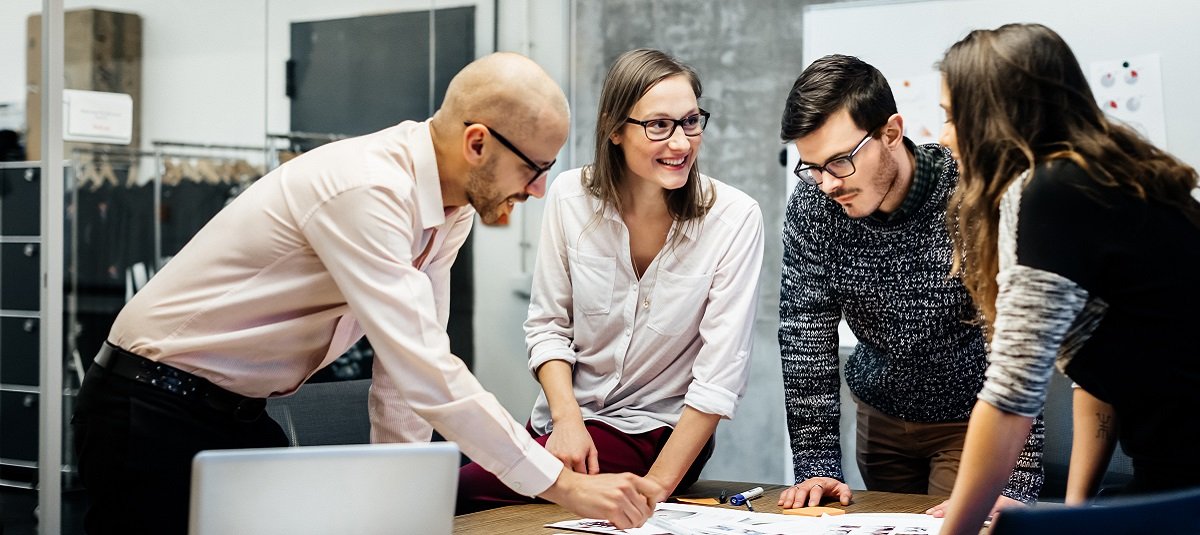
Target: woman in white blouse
[[644, 292]]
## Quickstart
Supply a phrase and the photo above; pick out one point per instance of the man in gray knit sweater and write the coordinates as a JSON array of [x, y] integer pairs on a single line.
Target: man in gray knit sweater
[[865, 238]]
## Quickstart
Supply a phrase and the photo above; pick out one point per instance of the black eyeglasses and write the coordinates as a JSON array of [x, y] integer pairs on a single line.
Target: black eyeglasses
[[840, 167], [537, 169], [661, 129]]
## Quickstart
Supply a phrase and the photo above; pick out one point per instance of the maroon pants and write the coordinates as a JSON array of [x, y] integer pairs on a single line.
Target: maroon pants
[[617, 451]]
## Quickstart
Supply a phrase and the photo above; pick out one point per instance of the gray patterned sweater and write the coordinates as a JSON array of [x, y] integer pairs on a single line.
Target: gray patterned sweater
[[918, 357]]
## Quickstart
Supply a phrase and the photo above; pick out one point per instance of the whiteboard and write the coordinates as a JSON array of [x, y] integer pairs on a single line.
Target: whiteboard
[[904, 40]]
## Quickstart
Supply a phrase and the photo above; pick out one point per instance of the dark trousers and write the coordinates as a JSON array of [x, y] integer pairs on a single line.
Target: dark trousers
[[895, 455], [135, 445], [617, 452]]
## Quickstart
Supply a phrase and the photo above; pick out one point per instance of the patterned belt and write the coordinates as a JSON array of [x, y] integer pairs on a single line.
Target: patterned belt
[[178, 382]]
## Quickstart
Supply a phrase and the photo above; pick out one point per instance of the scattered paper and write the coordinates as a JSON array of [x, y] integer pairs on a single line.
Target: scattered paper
[[694, 519]]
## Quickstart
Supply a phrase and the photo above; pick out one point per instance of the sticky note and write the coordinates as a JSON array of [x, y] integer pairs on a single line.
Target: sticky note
[[698, 501]]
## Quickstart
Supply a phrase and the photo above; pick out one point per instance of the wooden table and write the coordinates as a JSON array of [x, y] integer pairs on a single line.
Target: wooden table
[[532, 518]]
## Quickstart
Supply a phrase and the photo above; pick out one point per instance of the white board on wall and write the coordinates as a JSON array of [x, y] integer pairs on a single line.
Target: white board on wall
[[904, 39]]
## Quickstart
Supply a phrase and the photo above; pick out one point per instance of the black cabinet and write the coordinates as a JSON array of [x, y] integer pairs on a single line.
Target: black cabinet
[[20, 275], [19, 437], [20, 266], [20, 201], [19, 351]]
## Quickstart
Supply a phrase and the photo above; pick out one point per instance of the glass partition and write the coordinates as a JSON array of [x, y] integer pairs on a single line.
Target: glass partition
[[219, 93]]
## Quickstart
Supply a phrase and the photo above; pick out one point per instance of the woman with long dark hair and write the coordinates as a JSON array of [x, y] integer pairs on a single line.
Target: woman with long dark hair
[[644, 292], [1080, 242]]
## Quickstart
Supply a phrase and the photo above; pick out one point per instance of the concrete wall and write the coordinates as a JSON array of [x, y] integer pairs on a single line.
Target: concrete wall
[[747, 55]]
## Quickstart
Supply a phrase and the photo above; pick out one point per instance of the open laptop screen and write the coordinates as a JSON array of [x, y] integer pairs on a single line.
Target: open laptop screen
[[360, 489]]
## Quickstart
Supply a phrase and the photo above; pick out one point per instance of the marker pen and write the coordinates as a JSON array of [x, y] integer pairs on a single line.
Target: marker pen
[[745, 496]]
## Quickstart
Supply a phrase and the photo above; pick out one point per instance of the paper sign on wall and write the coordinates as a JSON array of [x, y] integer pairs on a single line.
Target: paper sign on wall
[[1130, 90], [97, 117], [917, 97]]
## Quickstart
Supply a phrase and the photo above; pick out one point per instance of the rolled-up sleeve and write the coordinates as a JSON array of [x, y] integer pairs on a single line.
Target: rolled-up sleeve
[[1035, 310], [722, 367], [549, 328]]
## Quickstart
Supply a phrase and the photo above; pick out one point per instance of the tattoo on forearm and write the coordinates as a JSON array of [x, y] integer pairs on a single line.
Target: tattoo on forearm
[[1105, 429]]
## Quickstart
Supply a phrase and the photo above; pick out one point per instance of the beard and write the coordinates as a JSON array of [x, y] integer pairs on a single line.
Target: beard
[[874, 191], [489, 202], [885, 180]]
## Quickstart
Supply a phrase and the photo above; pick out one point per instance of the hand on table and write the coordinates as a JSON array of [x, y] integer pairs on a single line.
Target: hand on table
[[1003, 502], [809, 492], [625, 500]]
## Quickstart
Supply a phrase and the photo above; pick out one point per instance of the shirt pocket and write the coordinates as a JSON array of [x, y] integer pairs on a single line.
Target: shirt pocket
[[593, 279], [677, 302]]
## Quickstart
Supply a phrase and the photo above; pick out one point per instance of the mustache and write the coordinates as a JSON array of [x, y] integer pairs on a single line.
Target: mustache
[[842, 192]]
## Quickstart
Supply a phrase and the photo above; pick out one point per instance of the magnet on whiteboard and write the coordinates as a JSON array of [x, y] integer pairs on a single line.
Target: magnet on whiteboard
[[1133, 103], [1107, 80], [1131, 76]]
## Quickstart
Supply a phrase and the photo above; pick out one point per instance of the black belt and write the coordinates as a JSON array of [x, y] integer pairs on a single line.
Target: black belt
[[178, 382]]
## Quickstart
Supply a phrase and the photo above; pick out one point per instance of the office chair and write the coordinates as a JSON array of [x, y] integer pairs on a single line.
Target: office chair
[[322, 414], [1056, 454], [1161, 514]]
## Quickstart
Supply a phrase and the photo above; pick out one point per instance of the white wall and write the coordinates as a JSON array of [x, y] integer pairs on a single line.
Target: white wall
[[213, 72], [13, 15], [1096, 30], [503, 255]]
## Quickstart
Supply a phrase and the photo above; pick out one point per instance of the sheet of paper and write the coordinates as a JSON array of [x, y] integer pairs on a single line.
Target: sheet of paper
[[1130, 90], [722, 521]]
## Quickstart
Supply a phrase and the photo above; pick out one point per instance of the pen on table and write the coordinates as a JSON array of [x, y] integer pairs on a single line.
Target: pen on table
[[671, 527], [721, 498], [745, 496]]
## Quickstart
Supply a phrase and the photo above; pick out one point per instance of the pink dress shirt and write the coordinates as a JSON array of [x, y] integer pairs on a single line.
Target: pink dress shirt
[[347, 239]]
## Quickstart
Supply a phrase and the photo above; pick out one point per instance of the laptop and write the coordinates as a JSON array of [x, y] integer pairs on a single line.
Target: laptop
[[357, 489]]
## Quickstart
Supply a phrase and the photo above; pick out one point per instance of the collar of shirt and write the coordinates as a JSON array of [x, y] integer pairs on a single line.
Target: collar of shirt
[[429, 184], [690, 231], [924, 177]]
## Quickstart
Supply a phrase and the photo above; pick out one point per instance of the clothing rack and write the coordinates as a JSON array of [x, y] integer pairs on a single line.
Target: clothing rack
[[309, 136], [298, 142], [158, 144]]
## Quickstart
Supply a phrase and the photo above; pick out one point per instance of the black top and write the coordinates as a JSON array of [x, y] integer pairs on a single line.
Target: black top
[[1133, 268]]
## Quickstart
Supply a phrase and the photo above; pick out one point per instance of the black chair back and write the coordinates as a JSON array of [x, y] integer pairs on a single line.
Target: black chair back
[[1168, 513]]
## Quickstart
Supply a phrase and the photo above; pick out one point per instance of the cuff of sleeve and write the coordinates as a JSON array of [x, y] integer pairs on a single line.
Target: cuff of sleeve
[[534, 473], [545, 352], [711, 399], [831, 467], [1004, 399]]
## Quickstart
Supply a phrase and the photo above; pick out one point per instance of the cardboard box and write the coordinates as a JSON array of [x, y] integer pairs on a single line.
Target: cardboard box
[[102, 52]]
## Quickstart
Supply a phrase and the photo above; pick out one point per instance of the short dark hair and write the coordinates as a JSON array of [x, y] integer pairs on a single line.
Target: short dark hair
[[831, 83]]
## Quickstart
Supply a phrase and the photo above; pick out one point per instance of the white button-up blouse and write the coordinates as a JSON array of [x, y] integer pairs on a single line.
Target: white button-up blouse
[[641, 349]]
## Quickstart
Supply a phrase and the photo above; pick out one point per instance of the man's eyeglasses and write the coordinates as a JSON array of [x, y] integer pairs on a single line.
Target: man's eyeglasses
[[840, 167], [661, 129], [537, 169]]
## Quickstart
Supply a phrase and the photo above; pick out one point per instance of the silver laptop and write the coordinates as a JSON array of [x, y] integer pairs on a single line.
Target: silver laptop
[[359, 489]]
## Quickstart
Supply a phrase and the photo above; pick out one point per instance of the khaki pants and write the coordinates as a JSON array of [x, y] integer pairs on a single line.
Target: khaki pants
[[895, 455]]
